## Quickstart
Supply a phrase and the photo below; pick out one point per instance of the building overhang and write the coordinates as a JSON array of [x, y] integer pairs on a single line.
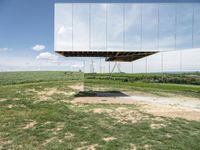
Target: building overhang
[[123, 56]]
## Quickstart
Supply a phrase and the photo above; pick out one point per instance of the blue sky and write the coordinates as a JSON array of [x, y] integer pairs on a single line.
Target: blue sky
[[25, 23], [27, 38]]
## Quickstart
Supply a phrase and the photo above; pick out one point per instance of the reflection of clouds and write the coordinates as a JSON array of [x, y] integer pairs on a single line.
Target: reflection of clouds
[[44, 63], [104, 6], [190, 58], [77, 66], [62, 33], [115, 25], [61, 30]]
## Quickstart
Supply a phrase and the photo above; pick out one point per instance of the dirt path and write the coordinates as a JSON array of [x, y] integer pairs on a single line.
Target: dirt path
[[179, 102], [77, 87], [179, 106]]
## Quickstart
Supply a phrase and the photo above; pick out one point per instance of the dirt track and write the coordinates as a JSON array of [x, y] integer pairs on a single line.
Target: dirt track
[[173, 107]]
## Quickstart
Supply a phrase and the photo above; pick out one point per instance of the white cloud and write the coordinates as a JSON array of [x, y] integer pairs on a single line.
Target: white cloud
[[38, 47], [43, 62], [5, 49], [47, 56]]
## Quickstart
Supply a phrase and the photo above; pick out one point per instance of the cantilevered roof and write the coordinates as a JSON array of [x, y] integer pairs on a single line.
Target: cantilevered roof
[[125, 56]]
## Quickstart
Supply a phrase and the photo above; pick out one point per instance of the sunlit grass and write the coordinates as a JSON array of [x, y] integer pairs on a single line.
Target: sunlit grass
[[29, 122]]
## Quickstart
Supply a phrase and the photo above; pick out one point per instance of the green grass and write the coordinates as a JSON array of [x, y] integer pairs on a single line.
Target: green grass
[[35, 76], [20, 105]]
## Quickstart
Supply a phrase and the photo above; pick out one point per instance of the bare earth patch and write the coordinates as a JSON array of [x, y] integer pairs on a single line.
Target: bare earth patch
[[168, 135], [47, 141], [59, 126], [88, 147], [3, 99], [15, 99], [4, 142], [47, 123], [171, 112], [102, 110], [107, 139], [69, 135], [13, 106], [147, 147], [103, 100], [122, 114], [10, 106], [31, 90], [133, 147], [77, 87], [157, 126], [173, 107], [83, 142], [48, 92], [30, 125]]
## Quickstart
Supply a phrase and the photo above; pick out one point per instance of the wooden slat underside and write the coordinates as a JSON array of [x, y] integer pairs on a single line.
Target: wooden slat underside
[[109, 55]]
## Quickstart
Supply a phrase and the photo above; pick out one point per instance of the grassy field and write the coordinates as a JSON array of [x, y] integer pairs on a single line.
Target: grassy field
[[34, 76], [36, 113]]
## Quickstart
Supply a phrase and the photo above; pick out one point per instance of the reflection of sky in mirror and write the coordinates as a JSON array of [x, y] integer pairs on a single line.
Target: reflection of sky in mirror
[[129, 26], [135, 27]]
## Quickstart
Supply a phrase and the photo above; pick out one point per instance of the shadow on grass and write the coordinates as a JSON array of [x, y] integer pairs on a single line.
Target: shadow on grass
[[101, 94]]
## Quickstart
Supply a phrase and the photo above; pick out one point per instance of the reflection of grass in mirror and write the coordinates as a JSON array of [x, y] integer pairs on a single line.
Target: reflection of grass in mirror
[[185, 78], [33, 119], [117, 83]]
